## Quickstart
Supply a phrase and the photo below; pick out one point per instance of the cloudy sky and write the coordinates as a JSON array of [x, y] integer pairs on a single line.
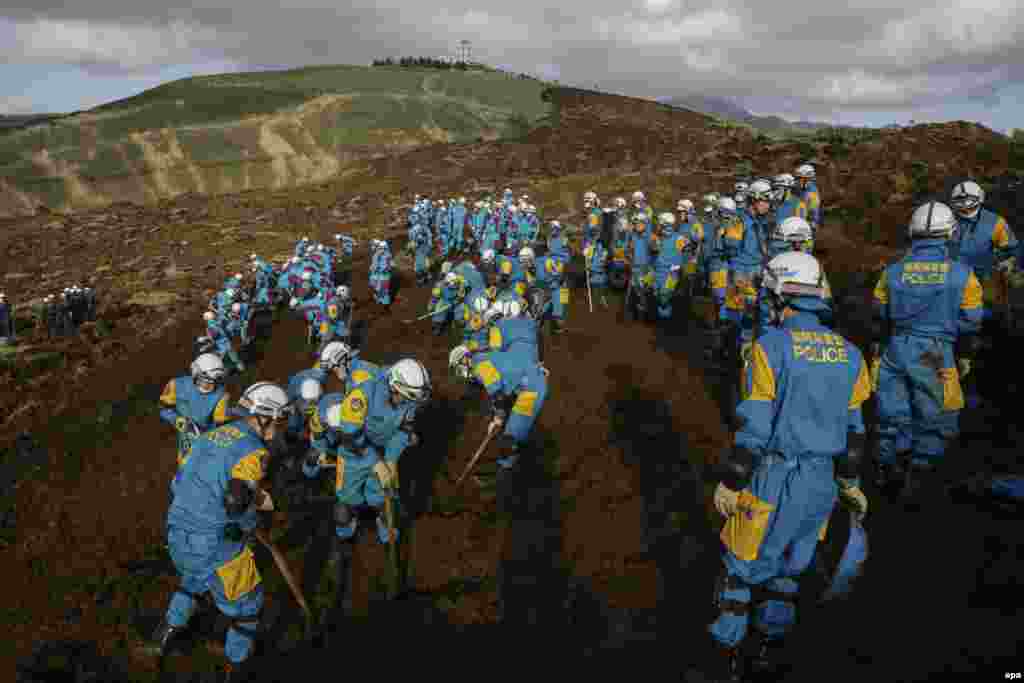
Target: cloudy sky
[[846, 61]]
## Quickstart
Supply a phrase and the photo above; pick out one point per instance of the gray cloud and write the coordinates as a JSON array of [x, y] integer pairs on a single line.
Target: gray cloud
[[806, 58]]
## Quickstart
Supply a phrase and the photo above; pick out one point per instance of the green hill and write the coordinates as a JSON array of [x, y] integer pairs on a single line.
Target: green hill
[[233, 132]]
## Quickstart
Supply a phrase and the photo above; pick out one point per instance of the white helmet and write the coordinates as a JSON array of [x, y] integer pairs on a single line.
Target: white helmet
[[294, 302], [265, 399], [451, 279], [684, 205], [458, 361], [785, 180], [555, 225], [253, 257], [590, 196], [727, 205], [530, 208], [208, 316], [526, 255], [208, 367], [410, 380], [478, 204], [335, 354], [343, 293], [794, 274], [760, 190], [932, 220], [620, 202], [512, 208], [667, 218], [446, 267], [481, 304], [740, 187], [494, 312], [236, 308], [229, 293], [462, 200], [310, 390], [238, 276], [511, 308], [295, 259], [794, 230], [967, 196], [488, 256], [804, 171]]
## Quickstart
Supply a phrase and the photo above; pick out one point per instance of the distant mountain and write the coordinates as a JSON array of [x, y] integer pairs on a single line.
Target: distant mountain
[[725, 108], [21, 120]]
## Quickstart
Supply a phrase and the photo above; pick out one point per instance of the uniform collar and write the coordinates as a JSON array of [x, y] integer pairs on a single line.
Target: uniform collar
[[803, 320], [938, 245]]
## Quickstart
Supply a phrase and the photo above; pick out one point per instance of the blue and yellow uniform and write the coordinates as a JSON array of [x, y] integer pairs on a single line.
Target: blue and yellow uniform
[[595, 259], [928, 301], [668, 269], [745, 266], [369, 429], [474, 280], [790, 206], [297, 419], [807, 385], [447, 297], [182, 401], [380, 275], [520, 335], [592, 225], [513, 377], [474, 332], [200, 547], [640, 242], [981, 242], [811, 198], [550, 274]]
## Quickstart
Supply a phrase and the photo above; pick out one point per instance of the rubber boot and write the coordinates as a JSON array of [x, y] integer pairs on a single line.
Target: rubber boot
[[340, 562], [437, 328], [767, 662], [159, 644], [722, 665]]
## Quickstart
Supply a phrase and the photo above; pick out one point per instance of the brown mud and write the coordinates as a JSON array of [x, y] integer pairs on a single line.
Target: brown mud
[[605, 551]]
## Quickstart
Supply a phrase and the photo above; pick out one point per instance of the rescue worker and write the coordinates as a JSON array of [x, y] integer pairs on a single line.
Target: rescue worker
[[641, 277], [691, 226], [470, 316], [924, 303], [510, 328], [668, 266], [785, 202], [591, 218], [216, 333], [367, 433], [195, 403], [595, 260], [779, 481], [215, 506], [6, 321], [447, 294], [529, 233], [237, 322], [264, 273], [380, 272], [336, 317], [459, 221], [807, 191], [618, 268], [516, 384], [474, 279], [984, 241], [305, 389], [793, 234], [557, 246], [748, 260], [550, 276]]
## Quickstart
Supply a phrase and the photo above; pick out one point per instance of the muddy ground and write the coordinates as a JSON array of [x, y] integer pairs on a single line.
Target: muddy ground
[[605, 556]]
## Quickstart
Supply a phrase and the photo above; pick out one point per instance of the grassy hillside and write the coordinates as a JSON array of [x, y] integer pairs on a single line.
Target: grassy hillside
[[232, 132]]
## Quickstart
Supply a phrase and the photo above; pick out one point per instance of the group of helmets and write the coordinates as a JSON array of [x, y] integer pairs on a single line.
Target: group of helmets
[[935, 220], [489, 257]]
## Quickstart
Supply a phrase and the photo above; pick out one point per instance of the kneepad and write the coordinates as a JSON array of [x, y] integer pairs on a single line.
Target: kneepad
[[343, 515], [726, 582]]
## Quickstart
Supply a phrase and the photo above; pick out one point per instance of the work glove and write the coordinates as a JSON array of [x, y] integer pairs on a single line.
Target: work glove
[[853, 499], [543, 368], [414, 439], [963, 367], [387, 473], [264, 503], [726, 500], [496, 423], [185, 425]]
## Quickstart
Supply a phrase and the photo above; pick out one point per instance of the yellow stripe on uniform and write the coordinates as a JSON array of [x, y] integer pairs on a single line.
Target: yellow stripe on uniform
[[220, 413], [250, 468], [719, 279], [735, 231], [525, 403], [353, 408], [170, 396], [360, 376], [487, 373], [240, 575], [862, 387], [882, 288], [495, 339], [1000, 234], [973, 294], [762, 384]]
